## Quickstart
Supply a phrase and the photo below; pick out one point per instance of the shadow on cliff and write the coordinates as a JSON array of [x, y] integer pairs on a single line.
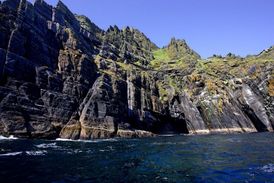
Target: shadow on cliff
[[259, 125], [158, 123]]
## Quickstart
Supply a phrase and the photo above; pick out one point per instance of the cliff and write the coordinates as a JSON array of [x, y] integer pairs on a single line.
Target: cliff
[[62, 76]]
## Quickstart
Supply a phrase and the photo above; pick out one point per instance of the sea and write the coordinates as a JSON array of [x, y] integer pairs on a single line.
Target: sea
[[180, 158]]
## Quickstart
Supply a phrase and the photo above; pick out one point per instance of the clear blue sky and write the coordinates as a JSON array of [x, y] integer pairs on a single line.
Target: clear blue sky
[[209, 26]]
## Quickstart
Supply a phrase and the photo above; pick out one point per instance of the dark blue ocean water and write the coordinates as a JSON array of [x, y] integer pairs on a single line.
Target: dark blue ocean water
[[211, 158]]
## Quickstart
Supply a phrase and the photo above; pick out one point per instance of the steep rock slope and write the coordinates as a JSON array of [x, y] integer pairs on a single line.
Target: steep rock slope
[[62, 76]]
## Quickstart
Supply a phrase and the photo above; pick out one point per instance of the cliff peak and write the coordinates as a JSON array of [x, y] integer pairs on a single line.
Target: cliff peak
[[63, 8], [60, 4], [267, 53], [178, 48], [132, 44], [87, 24], [175, 41]]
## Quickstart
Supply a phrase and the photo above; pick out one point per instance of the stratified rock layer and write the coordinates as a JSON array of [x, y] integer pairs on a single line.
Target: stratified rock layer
[[62, 76]]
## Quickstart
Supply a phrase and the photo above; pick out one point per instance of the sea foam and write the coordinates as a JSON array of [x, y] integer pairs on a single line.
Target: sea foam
[[11, 154], [46, 146], [8, 138], [89, 141], [36, 153], [268, 168]]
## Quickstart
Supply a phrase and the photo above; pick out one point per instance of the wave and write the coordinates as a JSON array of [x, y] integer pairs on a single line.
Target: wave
[[88, 141], [8, 138], [29, 153], [268, 168], [168, 143], [107, 149], [11, 154], [45, 146], [168, 135], [36, 153], [233, 140], [65, 140], [164, 143]]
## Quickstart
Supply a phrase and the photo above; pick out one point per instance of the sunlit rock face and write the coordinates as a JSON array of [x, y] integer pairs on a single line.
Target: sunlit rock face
[[62, 76]]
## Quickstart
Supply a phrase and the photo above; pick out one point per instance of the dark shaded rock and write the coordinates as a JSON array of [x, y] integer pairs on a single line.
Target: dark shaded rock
[[65, 17], [16, 67], [182, 106], [60, 107], [2, 63], [47, 79], [21, 116], [89, 29], [12, 4], [227, 119], [43, 9], [17, 43], [256, 107]]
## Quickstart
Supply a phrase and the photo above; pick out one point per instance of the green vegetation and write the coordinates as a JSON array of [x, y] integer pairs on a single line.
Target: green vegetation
[[163, 91], [124, 66], [177, 55], [271, 87], [163, 61], [231, 67], [161, 54], [160, 58]]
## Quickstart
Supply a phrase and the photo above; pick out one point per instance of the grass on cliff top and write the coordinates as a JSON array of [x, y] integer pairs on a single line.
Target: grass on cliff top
[[161, 54], [160, 57], [162, 60], [232, 67]]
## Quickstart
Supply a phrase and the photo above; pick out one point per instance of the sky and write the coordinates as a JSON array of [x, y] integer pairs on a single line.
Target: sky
[[210, 27]]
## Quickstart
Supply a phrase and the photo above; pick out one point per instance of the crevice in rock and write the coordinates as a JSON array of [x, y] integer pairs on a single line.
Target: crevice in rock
[[166, 124], [27, 124], [259, 125], [202, 114]]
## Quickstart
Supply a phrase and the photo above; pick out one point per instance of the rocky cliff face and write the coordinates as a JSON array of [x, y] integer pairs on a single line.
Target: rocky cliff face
[[62, 76]]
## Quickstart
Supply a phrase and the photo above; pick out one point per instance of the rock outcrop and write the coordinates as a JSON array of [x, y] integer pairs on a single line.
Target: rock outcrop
[[61, 76]]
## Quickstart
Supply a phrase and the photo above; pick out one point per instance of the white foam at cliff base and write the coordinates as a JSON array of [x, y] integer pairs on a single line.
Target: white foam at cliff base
[[12, 154], [8, 138], [90, 141], [65, 140]]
